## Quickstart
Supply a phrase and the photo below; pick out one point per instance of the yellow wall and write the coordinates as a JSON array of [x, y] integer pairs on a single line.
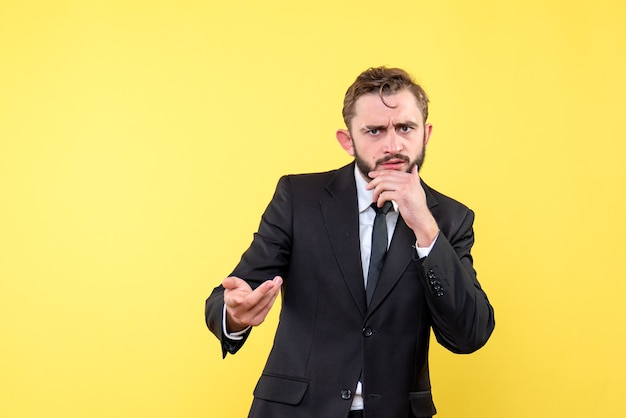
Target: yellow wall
[[141, 140]]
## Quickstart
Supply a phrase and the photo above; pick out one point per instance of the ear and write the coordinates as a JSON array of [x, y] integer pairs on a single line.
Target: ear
[[345, 140], [428, 129]]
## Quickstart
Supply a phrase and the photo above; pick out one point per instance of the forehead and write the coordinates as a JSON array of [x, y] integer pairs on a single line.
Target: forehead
[[399, 106]]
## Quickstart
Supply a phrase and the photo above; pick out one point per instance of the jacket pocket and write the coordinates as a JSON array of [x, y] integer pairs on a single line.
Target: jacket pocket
[[283, 389], [422, 404]]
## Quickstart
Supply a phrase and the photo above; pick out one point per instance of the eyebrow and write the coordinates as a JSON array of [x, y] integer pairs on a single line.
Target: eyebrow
[[380, 127]]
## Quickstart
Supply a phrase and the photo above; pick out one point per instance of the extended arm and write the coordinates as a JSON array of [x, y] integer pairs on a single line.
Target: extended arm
[[251, 290]]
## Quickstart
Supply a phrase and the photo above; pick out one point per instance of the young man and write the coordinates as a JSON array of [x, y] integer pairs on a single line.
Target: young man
[[352, 339]]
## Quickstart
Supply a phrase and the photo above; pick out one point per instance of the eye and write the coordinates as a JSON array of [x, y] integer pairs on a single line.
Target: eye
[[374, 131], [405, 128]]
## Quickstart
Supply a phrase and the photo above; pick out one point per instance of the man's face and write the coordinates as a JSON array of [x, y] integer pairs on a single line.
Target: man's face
[[382, 137]]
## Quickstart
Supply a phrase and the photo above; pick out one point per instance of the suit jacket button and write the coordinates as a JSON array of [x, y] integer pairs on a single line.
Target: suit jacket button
[[346, 394], [368, 332]]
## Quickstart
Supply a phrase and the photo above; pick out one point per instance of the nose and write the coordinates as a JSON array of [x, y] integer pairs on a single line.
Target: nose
[[393, 144]]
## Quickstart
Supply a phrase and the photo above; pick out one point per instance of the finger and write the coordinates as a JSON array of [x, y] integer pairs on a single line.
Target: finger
[[259, 312], [268, 291], [385, 196], [384, 176], [415, 171], [268, 286], [371, 184], [256, 313], [256, 299], [376, 178]]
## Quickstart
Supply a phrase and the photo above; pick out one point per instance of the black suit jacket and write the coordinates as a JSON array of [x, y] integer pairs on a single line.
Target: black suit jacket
[[327, 338]]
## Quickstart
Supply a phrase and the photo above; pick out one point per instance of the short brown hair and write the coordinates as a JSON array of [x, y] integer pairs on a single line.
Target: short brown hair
[[384, 81]]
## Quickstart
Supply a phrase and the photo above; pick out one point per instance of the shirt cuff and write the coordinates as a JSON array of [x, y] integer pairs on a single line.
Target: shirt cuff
[[235, 336], [424, 251]]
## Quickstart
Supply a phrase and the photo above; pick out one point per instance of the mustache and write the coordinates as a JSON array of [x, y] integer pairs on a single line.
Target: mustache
[[393, 157]]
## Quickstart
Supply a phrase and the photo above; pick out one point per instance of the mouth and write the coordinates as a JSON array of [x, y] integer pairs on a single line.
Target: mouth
[[394, 162]]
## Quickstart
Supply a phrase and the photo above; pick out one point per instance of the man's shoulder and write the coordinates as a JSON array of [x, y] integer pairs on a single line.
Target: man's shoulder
[[435, 197], [329, 174], [321, 178]]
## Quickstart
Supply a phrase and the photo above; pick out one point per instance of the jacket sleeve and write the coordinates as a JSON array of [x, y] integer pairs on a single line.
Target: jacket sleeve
[[463, 318], [213, 314], [267, 257]]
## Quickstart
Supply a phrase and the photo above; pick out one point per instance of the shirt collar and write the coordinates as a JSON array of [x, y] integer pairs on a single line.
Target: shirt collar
[[364, 196]]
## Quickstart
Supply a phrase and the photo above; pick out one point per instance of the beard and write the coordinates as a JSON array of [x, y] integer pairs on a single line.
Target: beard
[[364, 167]]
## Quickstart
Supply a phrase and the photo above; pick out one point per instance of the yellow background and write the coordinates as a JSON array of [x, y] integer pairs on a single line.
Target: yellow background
[[140, 142]]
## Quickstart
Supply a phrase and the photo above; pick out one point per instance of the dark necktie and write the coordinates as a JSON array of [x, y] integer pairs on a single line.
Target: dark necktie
[[379, 248]]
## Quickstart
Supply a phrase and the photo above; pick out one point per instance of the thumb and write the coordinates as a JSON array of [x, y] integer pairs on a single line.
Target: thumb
[[231, 282], [415, 172]]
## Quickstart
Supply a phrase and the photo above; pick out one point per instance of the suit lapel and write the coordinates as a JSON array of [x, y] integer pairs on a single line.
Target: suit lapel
[[341, 215]]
